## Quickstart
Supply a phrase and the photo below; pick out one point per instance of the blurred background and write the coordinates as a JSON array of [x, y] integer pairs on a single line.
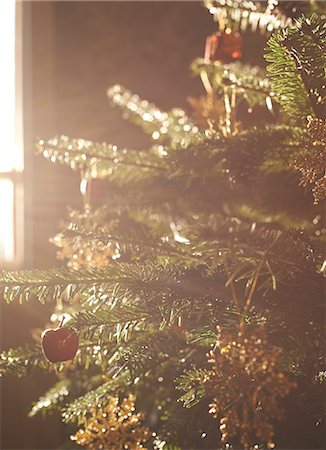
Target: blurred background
[[67, 54]]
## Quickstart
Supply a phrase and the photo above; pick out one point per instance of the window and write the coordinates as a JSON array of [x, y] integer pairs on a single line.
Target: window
[[11, 136]]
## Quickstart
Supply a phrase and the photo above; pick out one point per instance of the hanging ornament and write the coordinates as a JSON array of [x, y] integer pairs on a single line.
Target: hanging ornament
[[224, 46], [247, 386], [59, 344]]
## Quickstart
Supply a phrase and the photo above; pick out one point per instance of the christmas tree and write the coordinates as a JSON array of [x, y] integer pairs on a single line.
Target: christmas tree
[[189, 310]]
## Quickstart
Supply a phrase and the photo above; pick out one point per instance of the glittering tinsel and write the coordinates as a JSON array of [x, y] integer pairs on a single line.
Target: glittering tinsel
[[207, 110], [79, 252], [243, 15], [246, 386], [115, 426], [312, 161]]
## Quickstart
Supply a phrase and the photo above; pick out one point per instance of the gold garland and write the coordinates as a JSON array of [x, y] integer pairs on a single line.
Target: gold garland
[[246, 386], [115, 426], [312, 161]]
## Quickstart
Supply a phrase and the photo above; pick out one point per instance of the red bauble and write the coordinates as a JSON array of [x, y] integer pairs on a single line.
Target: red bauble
[[59, 344], [225, 47]]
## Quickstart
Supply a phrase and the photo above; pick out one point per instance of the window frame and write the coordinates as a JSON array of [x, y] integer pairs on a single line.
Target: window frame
[[16, 175]]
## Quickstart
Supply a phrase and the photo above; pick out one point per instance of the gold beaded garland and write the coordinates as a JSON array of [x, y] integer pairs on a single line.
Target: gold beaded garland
[[312, 161], [114, 426], [246, 386]]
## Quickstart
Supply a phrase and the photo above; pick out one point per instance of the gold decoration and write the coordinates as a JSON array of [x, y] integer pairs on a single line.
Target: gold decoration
[[246, 387], [113, 427], [80, 252], [207, 110], [247, 15], [216, 113], [312, 161]]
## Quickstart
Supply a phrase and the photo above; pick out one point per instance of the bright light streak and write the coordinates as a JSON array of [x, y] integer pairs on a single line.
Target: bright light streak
[[7, 86], [11, 133], [7, 245]]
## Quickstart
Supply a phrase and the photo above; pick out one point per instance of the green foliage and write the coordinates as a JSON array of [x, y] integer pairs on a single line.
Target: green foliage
[[22, 360], [209, 172], [105, 324], [52, 398], [287, 255], [247, 82], [80, 407], [192, 382], [162, 126], [135, 235], [95, 160], [297, 68], [119, 280]]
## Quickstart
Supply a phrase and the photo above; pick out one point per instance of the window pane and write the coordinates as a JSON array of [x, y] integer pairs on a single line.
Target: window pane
[[10, 148], [6, 220]]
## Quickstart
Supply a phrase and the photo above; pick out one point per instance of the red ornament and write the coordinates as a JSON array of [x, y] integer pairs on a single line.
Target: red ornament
[[224, 47], [59, 344]]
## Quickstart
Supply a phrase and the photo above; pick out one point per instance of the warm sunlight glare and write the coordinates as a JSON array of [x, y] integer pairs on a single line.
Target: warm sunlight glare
[[7, 220], [7, 86], [10, 157]]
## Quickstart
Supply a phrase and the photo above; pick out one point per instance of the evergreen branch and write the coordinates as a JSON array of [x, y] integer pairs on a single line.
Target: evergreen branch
[[134, 241], [230, 282], [160, 125], [150, 284], [289, 255], [201, 171], [52, 398], [214, 168], [155, 243], [144, 285], [307, 46], [105, 324], [192, 383], [81, 406], [22, 360], [287, 87], [98, 160], [248, 82], [107, 234], [297, 68], [149, 349], [243, 242], [122, 279], [246, 156]]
